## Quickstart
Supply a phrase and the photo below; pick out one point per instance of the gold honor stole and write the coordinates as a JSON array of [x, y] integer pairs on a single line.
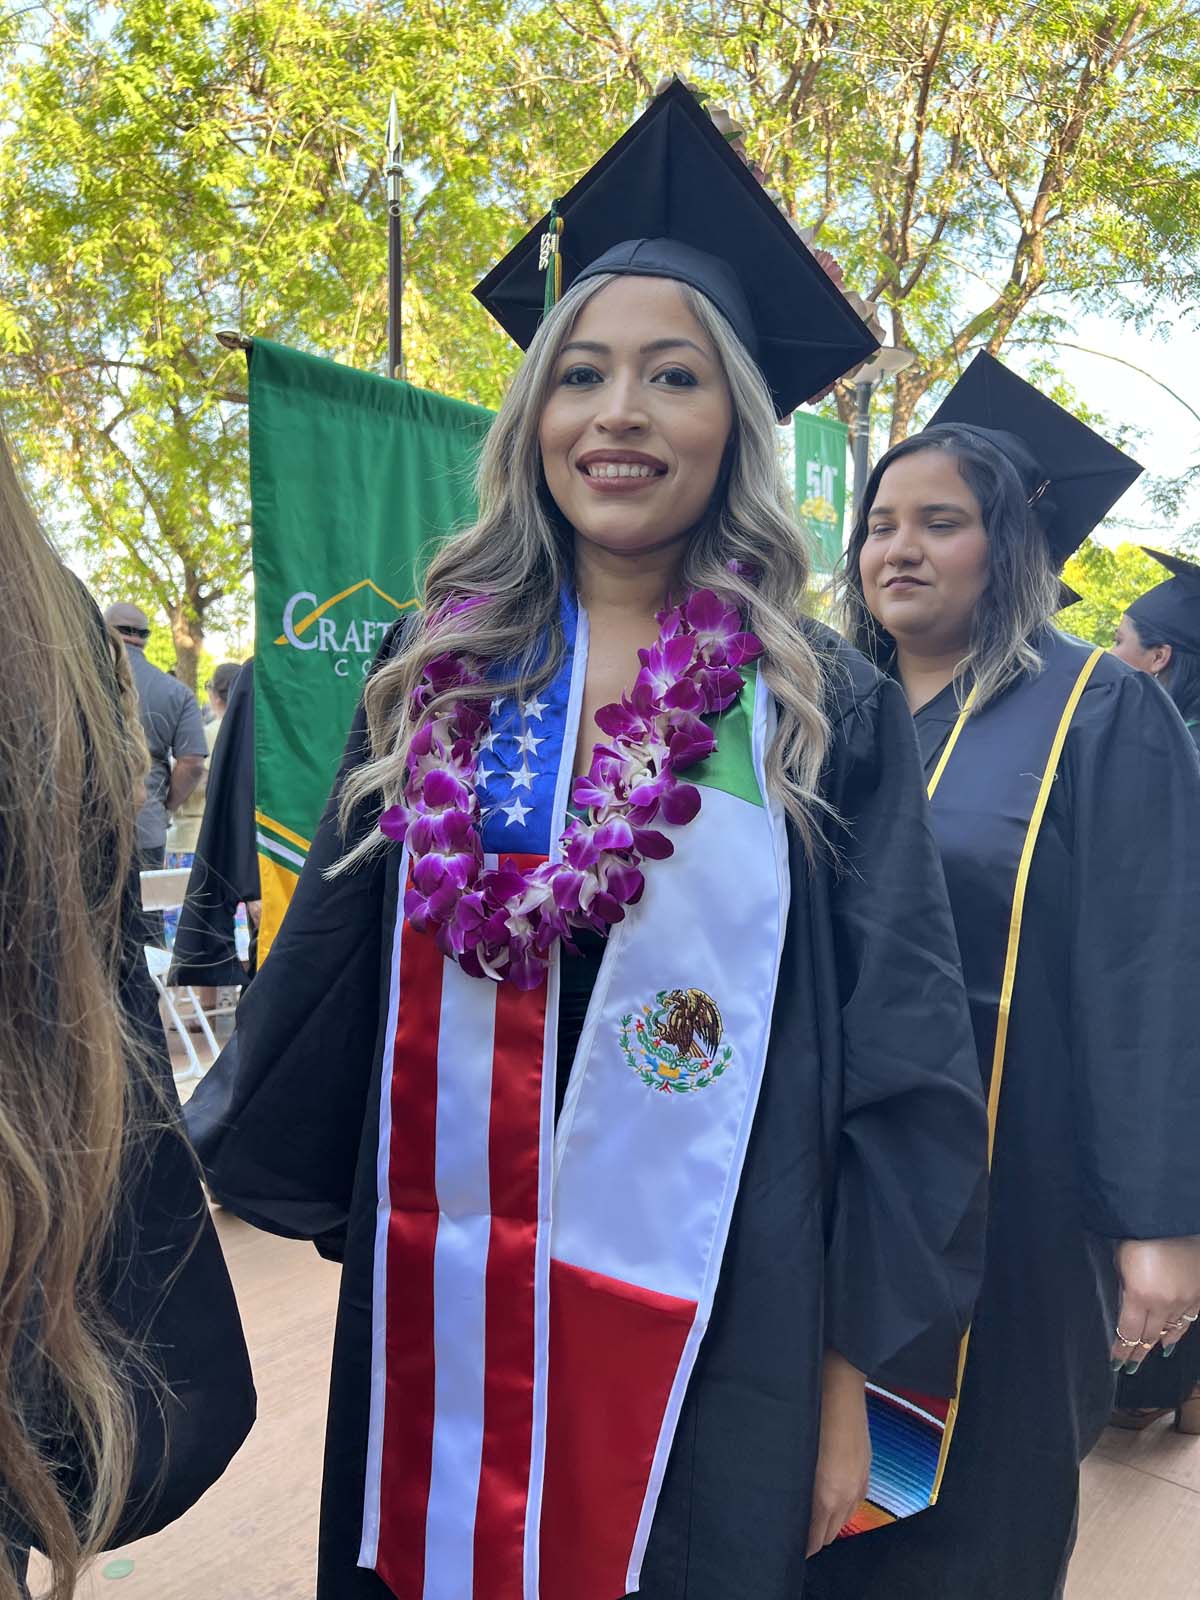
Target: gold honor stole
[[540, 1294], [995, 770]]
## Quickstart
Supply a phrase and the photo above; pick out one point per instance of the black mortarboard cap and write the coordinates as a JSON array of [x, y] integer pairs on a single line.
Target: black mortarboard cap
[[1171, 610], [671, 199], [1072, 475]]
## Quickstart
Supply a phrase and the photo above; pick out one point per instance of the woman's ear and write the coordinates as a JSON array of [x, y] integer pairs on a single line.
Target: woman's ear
[[1161, 657]]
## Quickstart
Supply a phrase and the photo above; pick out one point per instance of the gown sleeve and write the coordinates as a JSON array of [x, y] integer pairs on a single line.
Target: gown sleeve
[[905, 1245], [166, 1286], [278, 1120], [1134, 797], [225, 869]]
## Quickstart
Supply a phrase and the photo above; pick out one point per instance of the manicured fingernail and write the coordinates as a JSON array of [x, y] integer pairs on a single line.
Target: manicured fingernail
[[1117, 1366], [1132, 1366], [1169, 1350]]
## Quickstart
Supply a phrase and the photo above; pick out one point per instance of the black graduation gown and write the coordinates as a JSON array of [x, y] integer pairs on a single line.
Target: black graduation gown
[[167, 1285], [1165, 1385], [859, 1219], [1097, 1139], [225, 870], [166, 1289]]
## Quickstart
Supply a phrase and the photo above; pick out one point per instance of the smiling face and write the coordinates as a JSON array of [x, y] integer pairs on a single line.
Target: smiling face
[[639, 414], [924, 562]]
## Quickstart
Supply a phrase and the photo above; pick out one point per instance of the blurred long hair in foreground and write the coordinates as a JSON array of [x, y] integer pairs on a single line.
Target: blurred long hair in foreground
[[70, 761]]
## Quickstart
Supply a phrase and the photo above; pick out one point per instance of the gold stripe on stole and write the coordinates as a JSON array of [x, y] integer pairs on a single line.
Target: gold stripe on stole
[[944, 758], [1010, 965]]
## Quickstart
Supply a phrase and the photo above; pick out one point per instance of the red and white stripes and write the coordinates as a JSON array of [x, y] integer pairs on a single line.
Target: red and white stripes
[[457, 1295]]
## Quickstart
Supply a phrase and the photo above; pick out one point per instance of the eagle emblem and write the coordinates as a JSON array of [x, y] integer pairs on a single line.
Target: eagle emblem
[[676, 1045]]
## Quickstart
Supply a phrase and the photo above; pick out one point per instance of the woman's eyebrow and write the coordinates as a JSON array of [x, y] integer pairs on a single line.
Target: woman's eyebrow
[[595, 348], [937, 505], [657, 345]]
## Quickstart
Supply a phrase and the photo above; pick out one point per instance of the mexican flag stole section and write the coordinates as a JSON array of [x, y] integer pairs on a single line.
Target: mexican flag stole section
[[992, 782], [540, 1294]]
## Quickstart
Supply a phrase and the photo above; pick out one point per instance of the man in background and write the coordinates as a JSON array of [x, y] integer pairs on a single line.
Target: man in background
[[174, 734]]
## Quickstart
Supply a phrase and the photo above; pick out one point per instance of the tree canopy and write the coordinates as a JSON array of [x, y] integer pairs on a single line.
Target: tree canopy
[[172, 167]]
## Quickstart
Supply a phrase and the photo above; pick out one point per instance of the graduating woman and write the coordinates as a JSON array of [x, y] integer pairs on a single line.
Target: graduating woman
[[1065, 794], [124, 1381], [609, 1350], [1160, 634]]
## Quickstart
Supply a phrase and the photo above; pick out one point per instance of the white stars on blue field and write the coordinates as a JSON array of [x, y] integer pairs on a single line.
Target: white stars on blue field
[[521, 756], [516, 813], [518, 771]]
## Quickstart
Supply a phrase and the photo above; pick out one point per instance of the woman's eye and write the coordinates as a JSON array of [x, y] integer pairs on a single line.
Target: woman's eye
[[675, 378], [577, 377], [878, 528]]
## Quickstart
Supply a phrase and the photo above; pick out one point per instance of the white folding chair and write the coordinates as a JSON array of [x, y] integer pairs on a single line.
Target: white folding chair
[[161, 890]]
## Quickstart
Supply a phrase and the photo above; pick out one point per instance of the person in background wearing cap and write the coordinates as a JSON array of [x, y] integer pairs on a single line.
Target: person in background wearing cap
[[1065, 793], [641, 1156], [1160, 634], [174, 733]]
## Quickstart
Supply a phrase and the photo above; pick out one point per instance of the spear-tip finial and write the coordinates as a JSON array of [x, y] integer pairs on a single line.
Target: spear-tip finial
[[395, 143]]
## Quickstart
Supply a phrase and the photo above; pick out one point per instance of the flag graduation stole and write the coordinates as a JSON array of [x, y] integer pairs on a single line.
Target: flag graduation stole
[[540, 1294]]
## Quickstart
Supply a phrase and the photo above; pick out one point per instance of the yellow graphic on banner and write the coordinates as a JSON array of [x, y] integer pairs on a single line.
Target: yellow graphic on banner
[[278, 886], [296, 628], [284, 833]]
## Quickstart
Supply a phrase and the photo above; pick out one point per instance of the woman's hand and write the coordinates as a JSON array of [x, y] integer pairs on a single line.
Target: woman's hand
[[1160, 1296], [844, 1453]]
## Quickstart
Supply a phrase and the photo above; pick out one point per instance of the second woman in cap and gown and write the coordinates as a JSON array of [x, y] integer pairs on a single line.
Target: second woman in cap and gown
[[1160, 634], [1064, 800], [374, 1098]]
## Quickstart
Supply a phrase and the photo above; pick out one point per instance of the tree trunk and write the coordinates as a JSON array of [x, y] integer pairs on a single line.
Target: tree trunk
[[187, 630], [907, 390]]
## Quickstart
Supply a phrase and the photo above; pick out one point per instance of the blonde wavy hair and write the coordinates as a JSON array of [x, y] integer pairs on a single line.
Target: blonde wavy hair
[[519, 553], [69, 759]]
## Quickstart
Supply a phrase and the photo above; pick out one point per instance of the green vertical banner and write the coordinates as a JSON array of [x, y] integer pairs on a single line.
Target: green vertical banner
[[353, 479], [821, 485]]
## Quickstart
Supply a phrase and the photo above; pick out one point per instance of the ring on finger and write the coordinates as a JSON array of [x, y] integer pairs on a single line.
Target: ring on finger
[[1128, 1343], [1147, 1344]]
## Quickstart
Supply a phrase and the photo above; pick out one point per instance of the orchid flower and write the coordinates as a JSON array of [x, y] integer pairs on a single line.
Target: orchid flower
[[503, 923]]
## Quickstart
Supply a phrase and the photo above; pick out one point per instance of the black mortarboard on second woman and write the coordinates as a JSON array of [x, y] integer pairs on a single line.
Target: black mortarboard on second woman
[[1072, 476], [1170, 612], [672, 199]]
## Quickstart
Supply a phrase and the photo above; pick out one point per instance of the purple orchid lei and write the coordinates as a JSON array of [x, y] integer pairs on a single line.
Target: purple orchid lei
[[502, 922]]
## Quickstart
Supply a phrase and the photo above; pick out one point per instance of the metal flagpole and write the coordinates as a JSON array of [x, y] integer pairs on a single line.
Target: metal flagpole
[[885, 363], [394, 174]]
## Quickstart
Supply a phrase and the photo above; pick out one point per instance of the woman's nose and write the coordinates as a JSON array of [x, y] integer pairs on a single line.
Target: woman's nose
[[621, 409], [903, 548]]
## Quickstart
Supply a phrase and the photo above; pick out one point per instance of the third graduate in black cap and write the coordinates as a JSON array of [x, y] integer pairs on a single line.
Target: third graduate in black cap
[[1160, 634], [1065, 794], [644, 1111]]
